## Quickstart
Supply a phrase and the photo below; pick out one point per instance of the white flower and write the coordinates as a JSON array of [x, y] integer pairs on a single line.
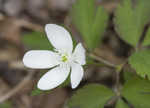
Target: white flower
[[62, 59]]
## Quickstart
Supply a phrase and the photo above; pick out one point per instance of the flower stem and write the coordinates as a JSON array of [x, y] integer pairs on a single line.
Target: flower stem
[[102, 60]]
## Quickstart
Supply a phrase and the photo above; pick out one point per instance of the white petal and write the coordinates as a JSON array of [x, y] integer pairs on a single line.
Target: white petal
[[53, 78], [59, 37], [38, 59], [76, 75], [79, 54]]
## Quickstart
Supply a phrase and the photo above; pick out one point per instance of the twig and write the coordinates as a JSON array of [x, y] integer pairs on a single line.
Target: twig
[[15, 90], [29, 25]]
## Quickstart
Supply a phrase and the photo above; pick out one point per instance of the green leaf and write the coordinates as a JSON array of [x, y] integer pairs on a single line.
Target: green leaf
[[147, 38], [90, 24], [121, 104], [141, 63], [142, 13], [130, 21], [125, 22], [91, 96], [36, 40], [6, 104], [137, 92], [128, 75], [99, 26], [83, 15]]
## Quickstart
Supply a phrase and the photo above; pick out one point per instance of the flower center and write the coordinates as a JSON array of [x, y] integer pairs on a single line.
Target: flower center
[[64, 58]]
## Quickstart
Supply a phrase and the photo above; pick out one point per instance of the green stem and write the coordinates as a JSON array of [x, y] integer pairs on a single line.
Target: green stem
[[102, 60]]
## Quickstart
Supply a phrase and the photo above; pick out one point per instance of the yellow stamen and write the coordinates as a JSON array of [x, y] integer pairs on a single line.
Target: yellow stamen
[[64, 58]]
